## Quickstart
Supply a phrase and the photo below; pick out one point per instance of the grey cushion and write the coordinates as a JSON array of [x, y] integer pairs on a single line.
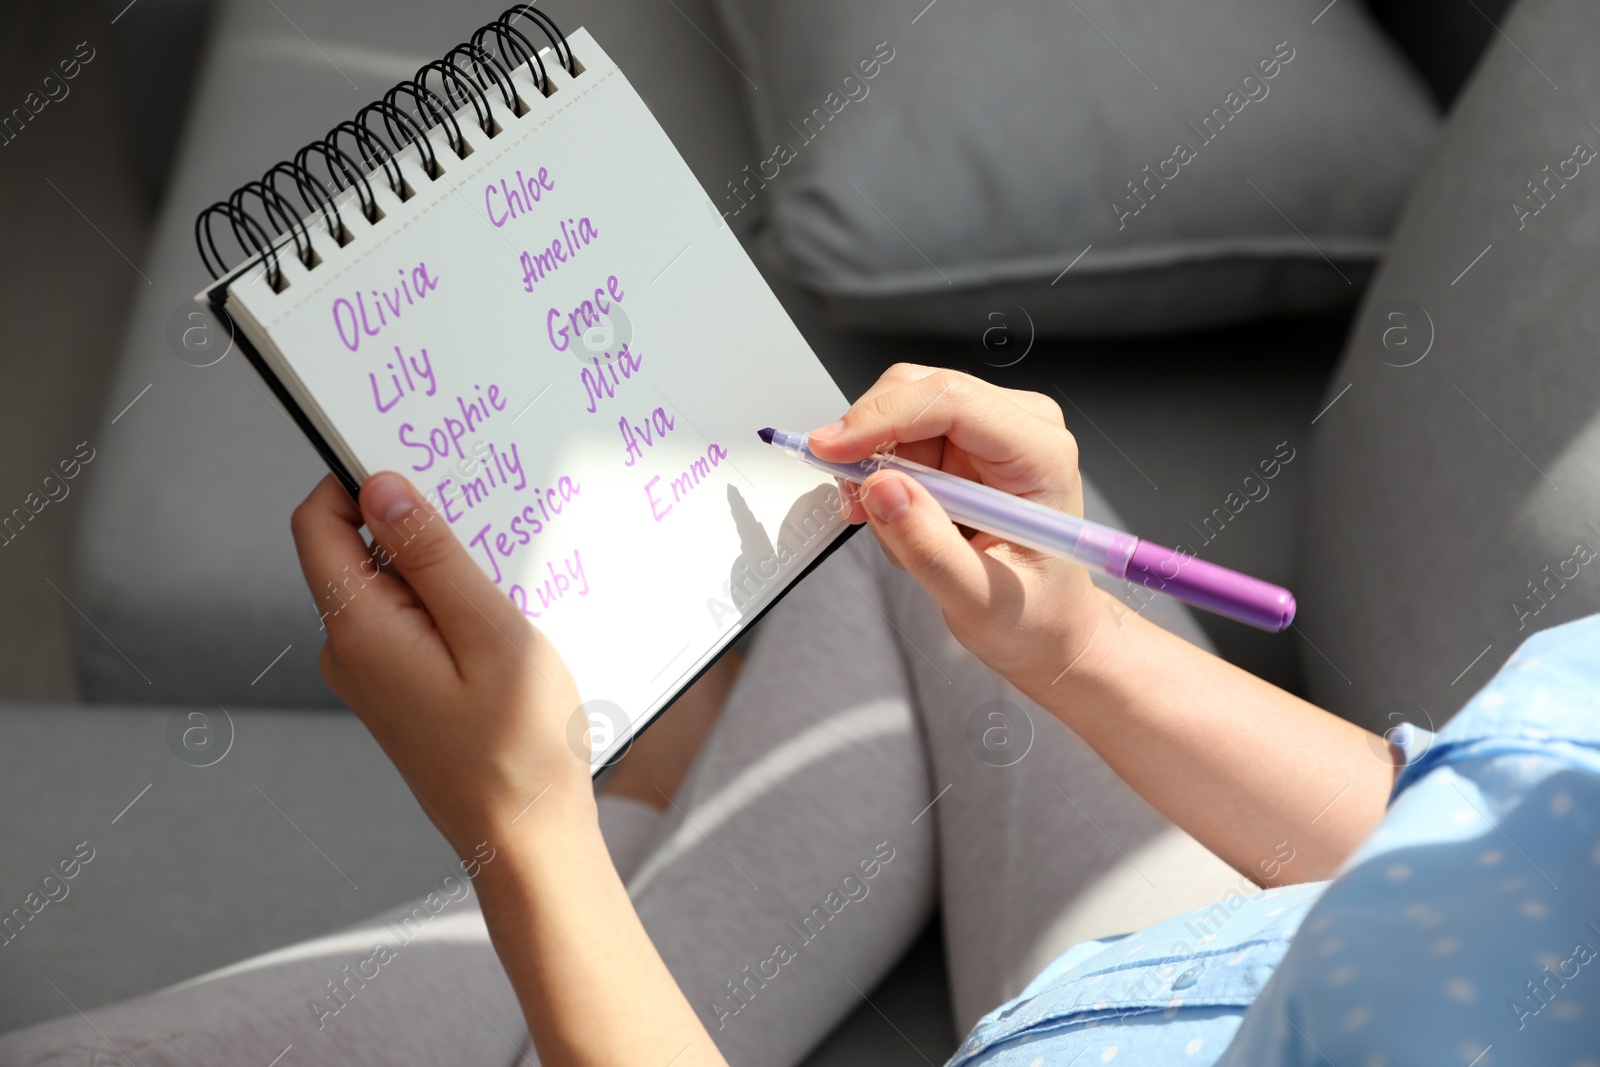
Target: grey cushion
[[185, 572], [1454, 499], [918, 174]]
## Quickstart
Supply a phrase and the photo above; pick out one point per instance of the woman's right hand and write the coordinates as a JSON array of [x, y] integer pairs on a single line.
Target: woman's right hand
[[1026, 614]]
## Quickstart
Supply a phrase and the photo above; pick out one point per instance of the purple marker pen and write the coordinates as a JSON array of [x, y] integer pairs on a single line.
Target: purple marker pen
[[1122, 556]]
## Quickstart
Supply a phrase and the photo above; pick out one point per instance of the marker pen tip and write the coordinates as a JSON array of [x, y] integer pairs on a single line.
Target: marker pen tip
[[765, 433]]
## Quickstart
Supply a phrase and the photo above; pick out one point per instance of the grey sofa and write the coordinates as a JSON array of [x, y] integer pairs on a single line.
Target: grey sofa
[[188, 599]]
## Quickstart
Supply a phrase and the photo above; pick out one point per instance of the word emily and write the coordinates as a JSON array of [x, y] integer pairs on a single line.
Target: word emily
[[55, 490], [344, 986], [1536, 201], [54, 889], [784, 153], [1540, 994], [1565, 571], [1254, 89], [55, 91], [851, 889]]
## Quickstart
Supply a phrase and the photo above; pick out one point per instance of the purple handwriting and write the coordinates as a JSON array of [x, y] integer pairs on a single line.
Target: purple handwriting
[[602, 382], [439, 441], [553, 588], [698, 472], [519, 198], [500, 469], [403, 380], [354, 319], [589, 311], [656, 425], [534, 519], [576, 235]]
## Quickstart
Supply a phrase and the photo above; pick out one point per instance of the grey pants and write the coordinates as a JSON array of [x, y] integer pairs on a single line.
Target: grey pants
[[865, 766]]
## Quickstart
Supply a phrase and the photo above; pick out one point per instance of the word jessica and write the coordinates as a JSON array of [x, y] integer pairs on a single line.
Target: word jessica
[[55, 890], [452, 890], [1566, 571], [1582, 155], [783, 153], [55, 91], [352, 319], [852, 889], [55, 490], [1254, 89]]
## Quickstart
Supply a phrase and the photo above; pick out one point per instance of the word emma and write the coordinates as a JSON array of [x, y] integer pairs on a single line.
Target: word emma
[[588, 312], [1539, 596], [853, 889], [55, 91], [1253, 88], [1540, 994], [699, 471], [355, 319], [346, 984], [1540, 189], [55, 490], [54, 889], [855, 90], [517, 199]]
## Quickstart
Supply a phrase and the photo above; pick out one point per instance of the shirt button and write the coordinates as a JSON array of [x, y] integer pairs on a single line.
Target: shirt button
[[1188, 978]]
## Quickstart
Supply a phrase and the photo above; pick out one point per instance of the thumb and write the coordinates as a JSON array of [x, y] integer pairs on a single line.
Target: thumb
[[466, 606], [915, 530]]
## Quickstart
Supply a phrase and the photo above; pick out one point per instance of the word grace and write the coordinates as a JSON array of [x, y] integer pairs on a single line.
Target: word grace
[[360, 317], [588, 312]]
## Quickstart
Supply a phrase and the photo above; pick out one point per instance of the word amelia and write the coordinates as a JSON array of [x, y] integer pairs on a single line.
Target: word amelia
[[852, 889], [55, 890], [344, 986], [55, 490], [1254, 89], [855, 90], [1540, 189], [55, 91]]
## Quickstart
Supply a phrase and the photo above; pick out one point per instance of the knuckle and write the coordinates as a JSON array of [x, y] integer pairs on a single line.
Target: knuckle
[[428, 549]]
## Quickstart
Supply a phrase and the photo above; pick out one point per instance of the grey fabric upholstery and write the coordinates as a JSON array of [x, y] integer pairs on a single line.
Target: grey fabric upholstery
[[1454, 500], [916, 174]]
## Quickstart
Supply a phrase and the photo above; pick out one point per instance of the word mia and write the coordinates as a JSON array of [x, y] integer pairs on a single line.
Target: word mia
[[1542, 187], [55, 91], [53, 888], [1252, 89], [851, 889], [55, 490]]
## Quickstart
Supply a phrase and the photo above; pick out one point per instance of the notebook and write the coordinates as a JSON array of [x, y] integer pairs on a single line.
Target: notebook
[[557, 339]]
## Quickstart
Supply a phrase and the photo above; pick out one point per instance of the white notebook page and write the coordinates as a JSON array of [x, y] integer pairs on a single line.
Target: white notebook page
[[561, 343]]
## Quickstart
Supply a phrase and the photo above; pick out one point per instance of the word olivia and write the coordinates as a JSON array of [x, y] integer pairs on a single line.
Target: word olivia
[[783, 153], [1253, 88], [403, 389], [699, 471], [1582, 155], [602, 382], [344, 986], [352, 319], [1255, 490], [590, 311], [55, 91], [55, 490], [518, 199], [576, 235], [501, 468], [53, 888], [1582, 555], [527, 524], [552, 589], [656, 426], [446, 437], [1541, 994], [852, 889]]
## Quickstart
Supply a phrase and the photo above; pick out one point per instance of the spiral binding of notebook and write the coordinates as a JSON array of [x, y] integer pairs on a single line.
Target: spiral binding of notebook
[[484, 72]]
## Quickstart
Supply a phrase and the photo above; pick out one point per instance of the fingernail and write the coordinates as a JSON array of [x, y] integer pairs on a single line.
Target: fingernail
[[830, 431], [887, 498], [387, 497]]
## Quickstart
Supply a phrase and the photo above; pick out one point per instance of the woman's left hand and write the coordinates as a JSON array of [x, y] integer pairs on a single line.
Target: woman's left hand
[[465, 696]]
